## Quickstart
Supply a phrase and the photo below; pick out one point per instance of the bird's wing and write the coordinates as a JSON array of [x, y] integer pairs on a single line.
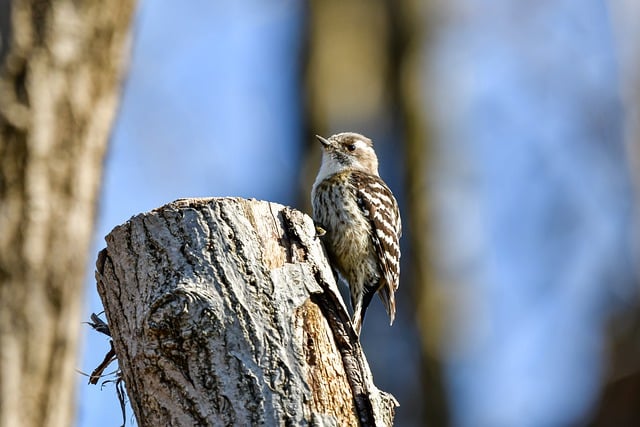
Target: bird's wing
[[378, 204]]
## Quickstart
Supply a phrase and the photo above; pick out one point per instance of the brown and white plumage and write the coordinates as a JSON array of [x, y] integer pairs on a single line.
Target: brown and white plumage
[[362, 222]]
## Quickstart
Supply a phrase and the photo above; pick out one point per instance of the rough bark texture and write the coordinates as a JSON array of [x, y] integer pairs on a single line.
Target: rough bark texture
[[225, 312], [60, 73]]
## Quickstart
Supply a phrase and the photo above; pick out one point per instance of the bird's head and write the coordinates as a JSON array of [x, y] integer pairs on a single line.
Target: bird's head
[[347, 150]]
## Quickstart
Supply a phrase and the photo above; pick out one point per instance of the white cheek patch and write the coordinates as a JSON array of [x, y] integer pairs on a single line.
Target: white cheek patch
[[365, 149], [360, 144], [365, 157]]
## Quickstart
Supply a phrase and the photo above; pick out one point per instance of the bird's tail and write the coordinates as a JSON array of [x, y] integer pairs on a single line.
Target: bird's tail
[[360, 308], [388, 298]]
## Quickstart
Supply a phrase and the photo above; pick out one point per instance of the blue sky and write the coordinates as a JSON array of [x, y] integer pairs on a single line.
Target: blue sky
[[533, 205]]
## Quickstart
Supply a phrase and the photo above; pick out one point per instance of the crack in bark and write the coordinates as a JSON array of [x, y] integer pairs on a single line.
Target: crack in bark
[[347, 343]]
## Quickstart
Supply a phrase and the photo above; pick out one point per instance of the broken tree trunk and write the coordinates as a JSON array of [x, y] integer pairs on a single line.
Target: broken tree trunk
[[225, 312]]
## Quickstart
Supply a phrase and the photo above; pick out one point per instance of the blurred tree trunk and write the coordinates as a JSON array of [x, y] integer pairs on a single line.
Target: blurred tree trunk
[[225, 312], [619, 402], [61, 70], [409, 33], [624, 330], [346, 68], [364, 74]]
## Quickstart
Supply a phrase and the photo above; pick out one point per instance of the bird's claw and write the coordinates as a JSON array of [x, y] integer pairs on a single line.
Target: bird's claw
[[320, 231]]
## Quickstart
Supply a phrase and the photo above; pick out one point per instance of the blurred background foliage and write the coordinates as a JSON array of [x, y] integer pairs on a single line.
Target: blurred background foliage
[[508, 130]]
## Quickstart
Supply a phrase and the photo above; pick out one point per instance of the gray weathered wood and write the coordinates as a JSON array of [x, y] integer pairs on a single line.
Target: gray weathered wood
[[225, 312]]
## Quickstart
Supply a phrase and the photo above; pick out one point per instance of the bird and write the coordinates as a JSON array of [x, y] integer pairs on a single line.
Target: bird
[[359, 220]]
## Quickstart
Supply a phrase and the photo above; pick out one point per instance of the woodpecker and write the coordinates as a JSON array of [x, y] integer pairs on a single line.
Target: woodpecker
[[361, 222]]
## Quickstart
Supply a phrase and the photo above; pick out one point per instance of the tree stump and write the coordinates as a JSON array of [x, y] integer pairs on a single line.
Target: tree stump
[[224, 311]]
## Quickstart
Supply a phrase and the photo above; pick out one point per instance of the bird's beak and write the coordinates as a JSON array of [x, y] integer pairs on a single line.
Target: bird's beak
[[325, 142]]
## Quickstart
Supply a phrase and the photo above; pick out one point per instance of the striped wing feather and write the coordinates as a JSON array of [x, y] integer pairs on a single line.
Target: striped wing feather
[[378, 204]]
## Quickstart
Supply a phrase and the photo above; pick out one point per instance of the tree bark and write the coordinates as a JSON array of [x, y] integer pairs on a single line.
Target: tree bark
[[225, 312], [60, 74]]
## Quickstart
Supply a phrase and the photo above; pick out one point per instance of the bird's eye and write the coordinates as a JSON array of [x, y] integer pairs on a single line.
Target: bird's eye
[[351, 147]]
